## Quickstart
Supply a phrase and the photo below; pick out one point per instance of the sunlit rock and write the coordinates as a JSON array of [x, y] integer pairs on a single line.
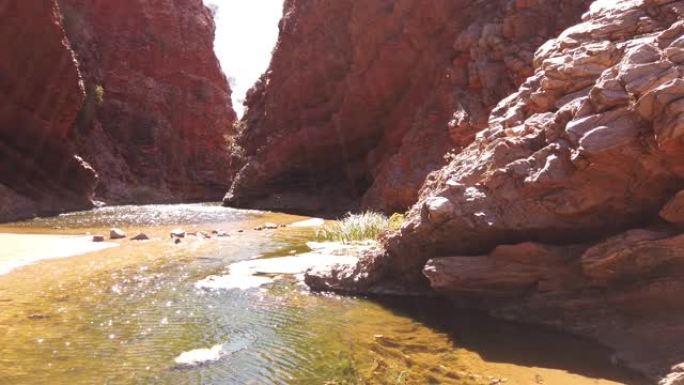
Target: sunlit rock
[[116, 233]]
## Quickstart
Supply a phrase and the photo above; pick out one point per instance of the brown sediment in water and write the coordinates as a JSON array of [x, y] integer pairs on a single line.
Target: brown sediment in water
[[124, 314]]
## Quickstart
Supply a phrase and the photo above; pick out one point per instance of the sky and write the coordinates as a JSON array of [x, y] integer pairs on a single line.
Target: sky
[[246, 32]]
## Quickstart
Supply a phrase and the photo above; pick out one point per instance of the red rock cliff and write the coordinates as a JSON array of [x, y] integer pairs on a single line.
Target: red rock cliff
[[142, 99], [40, 96], [158, 111], [357, 103], [566, 209]]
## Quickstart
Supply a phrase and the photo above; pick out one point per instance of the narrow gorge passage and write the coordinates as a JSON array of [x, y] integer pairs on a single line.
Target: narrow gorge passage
[[363, 100], [246, 35], [451, 186]]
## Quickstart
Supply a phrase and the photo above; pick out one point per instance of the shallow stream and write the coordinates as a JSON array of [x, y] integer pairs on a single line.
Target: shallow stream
[[131, 314]]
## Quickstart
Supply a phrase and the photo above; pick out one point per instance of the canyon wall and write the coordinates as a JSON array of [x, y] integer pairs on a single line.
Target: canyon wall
[[566, 209], [364, 98], [121, 101], [158, 110], [40, 96]]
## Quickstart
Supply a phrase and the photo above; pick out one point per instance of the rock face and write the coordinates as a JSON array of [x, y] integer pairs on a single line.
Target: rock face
[[142, 103], [158, 109], [565, 209], [363, 99], [40, 96]]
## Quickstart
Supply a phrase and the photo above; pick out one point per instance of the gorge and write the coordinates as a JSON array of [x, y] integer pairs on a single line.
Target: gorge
[[536, 146], [121, 103]]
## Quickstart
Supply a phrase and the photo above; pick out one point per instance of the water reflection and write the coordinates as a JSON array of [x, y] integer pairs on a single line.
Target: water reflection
[[152, 215], [126, 315]]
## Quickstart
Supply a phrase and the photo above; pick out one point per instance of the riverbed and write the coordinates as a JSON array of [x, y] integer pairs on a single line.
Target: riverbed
[[133, 313]]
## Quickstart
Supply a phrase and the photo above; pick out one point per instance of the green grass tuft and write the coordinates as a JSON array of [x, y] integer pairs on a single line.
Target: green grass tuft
[[359, 227]]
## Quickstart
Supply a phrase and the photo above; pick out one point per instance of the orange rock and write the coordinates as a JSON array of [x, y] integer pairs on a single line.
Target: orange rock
[[40, 96], [158, 106], [572, 171], [357, 103]]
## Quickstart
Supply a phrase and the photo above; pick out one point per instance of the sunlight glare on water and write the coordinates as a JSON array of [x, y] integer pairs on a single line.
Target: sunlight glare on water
[[133, 315]]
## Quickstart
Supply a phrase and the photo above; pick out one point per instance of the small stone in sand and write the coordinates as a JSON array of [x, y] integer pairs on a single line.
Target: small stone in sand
[[38, 316], [259, 228], [115, 233], [270, 226], [204, 235], [141, 237], [222, 234], [98, 238], [178, 233], [177, 241]]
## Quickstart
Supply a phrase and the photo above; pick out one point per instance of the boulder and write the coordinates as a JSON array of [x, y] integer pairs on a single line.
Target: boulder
[[673, 211]]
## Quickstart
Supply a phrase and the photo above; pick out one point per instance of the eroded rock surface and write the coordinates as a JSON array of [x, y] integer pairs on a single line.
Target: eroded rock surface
[[364, 98], [142, 103], [563, 210], [40, 96], [158, 109]]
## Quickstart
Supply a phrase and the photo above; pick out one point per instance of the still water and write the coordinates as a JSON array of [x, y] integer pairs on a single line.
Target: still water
[[124, 315]]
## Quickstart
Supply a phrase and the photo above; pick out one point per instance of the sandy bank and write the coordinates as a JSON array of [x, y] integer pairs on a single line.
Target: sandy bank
[[17, 250]]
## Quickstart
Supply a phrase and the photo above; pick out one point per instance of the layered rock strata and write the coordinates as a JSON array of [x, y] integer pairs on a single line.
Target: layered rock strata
[[363, 99], [566, 210]]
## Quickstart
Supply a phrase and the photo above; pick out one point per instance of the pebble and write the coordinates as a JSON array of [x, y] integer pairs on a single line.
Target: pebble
[[141, 237], [178, 233], [98, 238], [115, 233], [38, 316]]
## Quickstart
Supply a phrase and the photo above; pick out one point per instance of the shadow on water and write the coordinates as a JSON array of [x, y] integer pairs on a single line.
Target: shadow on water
[[123, 316], [510, 342]]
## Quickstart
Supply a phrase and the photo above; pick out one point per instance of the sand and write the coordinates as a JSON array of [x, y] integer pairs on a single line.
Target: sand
[[17, 250]]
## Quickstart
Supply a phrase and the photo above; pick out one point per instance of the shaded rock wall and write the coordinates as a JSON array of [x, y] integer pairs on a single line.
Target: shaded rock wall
[[565, 210], [363, 99], [158, 110], [142, 102], [40, 96]]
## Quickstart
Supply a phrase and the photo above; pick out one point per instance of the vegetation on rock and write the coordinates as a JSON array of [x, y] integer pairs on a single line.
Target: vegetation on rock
[[365, 226]]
